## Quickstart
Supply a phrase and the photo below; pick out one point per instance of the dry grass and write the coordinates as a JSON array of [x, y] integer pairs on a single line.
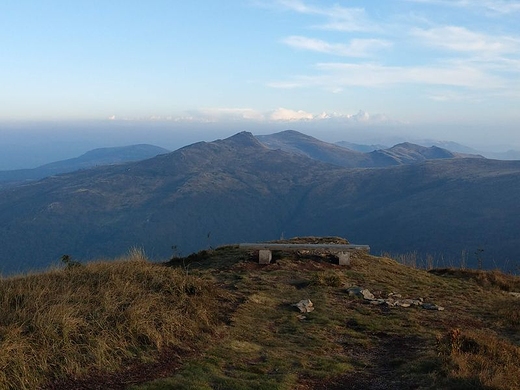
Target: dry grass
[[480, 358], [100, 316], [346, 341], [486, 279]]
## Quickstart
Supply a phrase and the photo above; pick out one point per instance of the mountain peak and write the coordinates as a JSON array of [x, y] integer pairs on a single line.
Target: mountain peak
[[432, 152], [244, 139], [292, 135]]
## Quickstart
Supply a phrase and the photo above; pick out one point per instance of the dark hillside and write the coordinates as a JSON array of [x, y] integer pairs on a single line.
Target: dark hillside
[[439, 208], [96, 157], [405, 153], [238, 190], [296, 142], [360, 147], [201, 195]]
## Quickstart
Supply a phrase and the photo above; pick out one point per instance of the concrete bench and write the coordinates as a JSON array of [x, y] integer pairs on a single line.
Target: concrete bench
[[342, 251]]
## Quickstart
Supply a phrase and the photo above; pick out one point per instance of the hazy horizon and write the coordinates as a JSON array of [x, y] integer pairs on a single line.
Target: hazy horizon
[[31, 144], [79, 75]]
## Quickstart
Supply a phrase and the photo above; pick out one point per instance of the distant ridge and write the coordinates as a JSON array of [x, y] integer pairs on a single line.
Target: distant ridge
[[408, 153], [404, 153], [96, 157], [360, 147], [295, 142]]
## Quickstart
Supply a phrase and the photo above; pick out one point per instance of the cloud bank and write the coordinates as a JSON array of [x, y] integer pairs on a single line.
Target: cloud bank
[[278, 115]]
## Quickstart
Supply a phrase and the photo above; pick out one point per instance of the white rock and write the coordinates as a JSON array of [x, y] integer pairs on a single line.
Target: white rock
[[305, 305], [367, 295]]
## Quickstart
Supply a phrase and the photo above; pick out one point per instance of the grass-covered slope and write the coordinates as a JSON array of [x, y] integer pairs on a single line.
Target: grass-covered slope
[[219, 320], [96, 319]]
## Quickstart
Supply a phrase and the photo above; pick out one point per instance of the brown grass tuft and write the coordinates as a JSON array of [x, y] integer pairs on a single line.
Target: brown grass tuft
[[100, 316], [487, 279], [477, 357]]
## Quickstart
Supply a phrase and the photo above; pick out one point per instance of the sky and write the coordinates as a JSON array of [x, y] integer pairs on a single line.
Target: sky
[[171, 71]]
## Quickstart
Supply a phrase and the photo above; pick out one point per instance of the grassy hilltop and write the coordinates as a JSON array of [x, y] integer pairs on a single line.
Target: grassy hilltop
[[219, 320]]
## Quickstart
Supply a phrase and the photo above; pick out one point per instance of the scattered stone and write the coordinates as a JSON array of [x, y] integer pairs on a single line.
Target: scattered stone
[[409, 302], [301, 317], [515, 294], [390, 302], [431, 306], [305, 305], [394, 299], [361, 293]]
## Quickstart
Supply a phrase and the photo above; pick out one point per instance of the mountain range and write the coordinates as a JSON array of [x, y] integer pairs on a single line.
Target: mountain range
[[404, 199], [404, 153]]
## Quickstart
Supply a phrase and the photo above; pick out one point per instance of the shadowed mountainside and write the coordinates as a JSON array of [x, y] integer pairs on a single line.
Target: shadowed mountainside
[[238, 190], [302, 144], [408, 153], [360, 147], [338, 154], [96, 157]]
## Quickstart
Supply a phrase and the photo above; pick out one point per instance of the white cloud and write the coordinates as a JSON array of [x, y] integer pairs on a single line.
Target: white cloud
[[281, 114], [338, 18], [347, 19], [463, 40], [338, 75], [361, 116], [450, 96], [495, 6], [284, 114], [504, 7], [356, 47], [297, 5], [486, 63], [219, 114]]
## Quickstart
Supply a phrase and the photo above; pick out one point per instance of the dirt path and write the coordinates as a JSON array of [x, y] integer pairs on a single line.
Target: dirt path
[[382, 369], [169, 361]]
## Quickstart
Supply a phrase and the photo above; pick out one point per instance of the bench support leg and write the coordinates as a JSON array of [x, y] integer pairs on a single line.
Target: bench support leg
[[264, 256], [344, 258]]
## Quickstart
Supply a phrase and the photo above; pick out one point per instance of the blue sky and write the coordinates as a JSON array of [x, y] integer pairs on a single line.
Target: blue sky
[[444, 69]]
